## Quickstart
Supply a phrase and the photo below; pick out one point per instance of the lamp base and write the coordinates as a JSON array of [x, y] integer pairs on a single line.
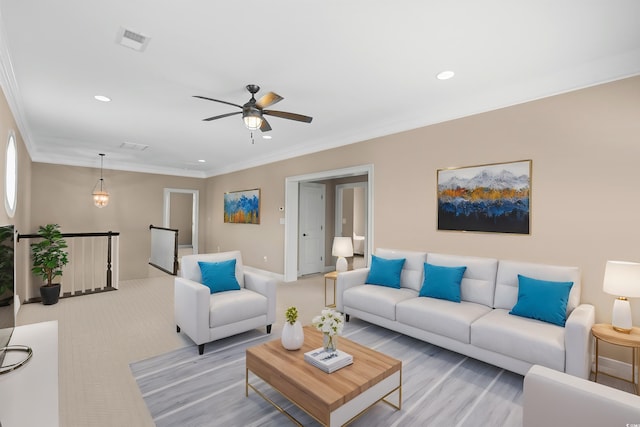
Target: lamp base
[[621, 316], [341, 264]]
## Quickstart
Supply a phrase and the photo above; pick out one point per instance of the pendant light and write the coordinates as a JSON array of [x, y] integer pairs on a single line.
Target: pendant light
[[100, 193]]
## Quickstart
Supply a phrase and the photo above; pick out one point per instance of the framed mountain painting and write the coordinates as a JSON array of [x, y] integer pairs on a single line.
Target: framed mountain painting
[[492, 198], [242, 207]]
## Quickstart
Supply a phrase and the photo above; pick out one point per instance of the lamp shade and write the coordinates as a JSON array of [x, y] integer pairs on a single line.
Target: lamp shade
[[342, 247], [622, 278]]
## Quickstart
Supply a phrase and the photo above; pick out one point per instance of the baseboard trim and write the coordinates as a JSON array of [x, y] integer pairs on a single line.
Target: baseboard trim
[[614, 368]]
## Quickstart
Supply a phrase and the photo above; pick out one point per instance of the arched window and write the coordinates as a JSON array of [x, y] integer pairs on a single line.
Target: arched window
[[11, 176]]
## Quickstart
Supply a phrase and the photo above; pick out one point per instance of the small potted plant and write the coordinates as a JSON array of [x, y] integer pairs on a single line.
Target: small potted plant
[[292, 334], [6, 265], [49, 256]]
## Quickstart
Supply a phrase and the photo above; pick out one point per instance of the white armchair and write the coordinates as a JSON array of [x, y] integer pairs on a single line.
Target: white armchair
[[207, 317]]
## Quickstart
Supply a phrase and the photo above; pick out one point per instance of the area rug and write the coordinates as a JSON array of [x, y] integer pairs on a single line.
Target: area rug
[[440, 387]]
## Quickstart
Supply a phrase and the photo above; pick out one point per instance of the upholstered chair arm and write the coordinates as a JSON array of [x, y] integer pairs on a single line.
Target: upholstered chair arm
[[266, 286], [577, 341], [192, 309], [346, 280]]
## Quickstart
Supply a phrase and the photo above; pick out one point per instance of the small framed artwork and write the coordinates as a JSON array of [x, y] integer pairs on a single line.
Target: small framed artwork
[[493, 198], [242, 207]]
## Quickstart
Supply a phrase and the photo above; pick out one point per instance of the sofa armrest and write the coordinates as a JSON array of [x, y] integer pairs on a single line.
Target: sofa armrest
[[266, 286], [553, 398], [191, 309], [577, 341], [346, 280]]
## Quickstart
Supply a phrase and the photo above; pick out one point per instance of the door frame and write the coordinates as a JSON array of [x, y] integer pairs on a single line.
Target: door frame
[[291, 212], [166, 219]]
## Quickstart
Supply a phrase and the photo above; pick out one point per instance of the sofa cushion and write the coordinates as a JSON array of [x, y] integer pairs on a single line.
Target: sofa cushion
[[542, 300], [219, 276], [385, 272], [441, 317], [507, 281], [378, 300], [526, 339], [189, 268], [442, 282], [234, 306], [411, 276], [479, 281]]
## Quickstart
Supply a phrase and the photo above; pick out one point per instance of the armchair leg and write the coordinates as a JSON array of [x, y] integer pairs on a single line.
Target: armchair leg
[[177, 329], [200, 349], [268, 329]]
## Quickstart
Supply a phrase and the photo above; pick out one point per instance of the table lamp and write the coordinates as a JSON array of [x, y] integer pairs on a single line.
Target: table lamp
[[342, 247], [622, 279]]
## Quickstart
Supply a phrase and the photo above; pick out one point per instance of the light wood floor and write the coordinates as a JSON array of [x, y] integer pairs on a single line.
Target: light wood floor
[[99, 335]]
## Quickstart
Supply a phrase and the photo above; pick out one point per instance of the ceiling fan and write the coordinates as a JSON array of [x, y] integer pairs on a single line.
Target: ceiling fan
[[253, 111]]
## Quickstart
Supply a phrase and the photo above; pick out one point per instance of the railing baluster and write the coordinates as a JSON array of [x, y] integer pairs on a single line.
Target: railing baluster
[[85, 256]]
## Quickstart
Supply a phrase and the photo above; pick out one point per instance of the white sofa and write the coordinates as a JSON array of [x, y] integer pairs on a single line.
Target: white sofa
[[207, 317], [553, 398], [480, 326]]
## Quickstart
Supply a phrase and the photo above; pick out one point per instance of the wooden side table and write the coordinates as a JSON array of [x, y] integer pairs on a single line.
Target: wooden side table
[[330, 276], [605, 332]]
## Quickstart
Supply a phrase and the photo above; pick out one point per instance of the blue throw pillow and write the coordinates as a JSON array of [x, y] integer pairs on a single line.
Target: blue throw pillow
[[385, 272], [219, 276], [542, 300], [442, 282]]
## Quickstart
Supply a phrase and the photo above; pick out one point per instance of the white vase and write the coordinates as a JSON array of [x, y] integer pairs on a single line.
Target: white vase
[[292, 336]]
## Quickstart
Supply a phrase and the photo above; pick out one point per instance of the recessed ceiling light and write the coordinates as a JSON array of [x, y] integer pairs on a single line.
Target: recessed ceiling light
[[102, 98], [266, 136], [445, 75], [202, 161]]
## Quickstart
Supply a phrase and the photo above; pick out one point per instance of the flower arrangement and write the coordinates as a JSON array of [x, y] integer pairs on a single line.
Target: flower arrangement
[[329, 322], [292, 315]]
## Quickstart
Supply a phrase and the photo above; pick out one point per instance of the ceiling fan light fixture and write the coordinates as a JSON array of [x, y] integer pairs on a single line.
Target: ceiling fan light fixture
[[252, 119]]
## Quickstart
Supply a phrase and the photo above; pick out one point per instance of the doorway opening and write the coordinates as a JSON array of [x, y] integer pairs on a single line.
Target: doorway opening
[[292, 217], [181, 213]]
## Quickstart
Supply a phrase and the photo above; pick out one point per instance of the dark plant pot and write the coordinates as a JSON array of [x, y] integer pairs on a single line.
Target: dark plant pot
[[5, 301], [50, 294]]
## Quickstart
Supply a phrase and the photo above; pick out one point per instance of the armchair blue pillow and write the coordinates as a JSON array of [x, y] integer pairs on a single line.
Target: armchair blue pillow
[[385, 272], [442, 282], [219, 276], [542, 300]]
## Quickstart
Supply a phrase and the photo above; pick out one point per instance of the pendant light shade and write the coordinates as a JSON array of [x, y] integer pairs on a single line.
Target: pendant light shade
[[100, 193]]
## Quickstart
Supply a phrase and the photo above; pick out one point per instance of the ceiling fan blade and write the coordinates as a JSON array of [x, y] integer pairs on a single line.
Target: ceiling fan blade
[[221, 116], [217, 100], [268, 100], [265, 126], [290, 116]]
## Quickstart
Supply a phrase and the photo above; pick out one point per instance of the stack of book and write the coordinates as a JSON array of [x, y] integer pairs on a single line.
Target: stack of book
[[328, 361]]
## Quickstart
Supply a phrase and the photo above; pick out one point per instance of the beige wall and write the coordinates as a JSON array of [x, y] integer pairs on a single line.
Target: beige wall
[[62, 194], [181, 213], [22, 216], [585, 199]]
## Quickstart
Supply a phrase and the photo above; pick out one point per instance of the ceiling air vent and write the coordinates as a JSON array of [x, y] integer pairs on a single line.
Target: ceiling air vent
[[133, 146], [132, 40]]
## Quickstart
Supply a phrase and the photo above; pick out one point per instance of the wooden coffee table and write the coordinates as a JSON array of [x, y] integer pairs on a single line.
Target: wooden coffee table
[[332, 399]]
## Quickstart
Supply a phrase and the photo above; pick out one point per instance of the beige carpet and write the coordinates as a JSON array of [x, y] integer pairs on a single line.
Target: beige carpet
[[100, 335]]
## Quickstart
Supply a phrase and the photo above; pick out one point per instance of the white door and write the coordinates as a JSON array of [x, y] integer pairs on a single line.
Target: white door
[[311, 228]]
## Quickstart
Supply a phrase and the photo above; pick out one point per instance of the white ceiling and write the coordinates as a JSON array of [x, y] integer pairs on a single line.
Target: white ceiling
[[361, 68]]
